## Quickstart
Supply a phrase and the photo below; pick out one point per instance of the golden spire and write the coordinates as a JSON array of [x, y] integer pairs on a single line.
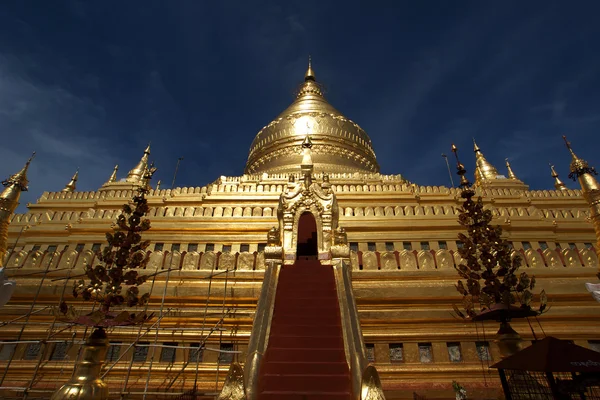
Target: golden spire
[[113, 176], [511, 174], [310, 74], [136, 175], [558, 184], [71, 186], [310, 87], [483, 170], [18, 180], [9, 200], [578, 165], [581, 170]]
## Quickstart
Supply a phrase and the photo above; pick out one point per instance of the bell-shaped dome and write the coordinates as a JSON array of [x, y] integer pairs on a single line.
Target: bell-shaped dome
[[339, 145]]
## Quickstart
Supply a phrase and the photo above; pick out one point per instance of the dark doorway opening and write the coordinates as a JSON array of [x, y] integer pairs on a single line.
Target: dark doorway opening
[[307, 236]]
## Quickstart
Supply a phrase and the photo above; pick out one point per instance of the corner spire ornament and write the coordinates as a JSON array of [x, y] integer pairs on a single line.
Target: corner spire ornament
[[113, 176], [581, 171], [558, 184], [510, 173], [137, 173], [484, 171], [9, 201], [579, 166], [72, 185], [20, 178]]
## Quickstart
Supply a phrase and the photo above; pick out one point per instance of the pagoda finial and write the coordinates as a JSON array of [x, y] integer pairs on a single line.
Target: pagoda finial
[[113, 176], [461, 171], [71, 186], [578, 165], [581, 170], [20, 178], [558, 184], [310, 74], [511, 174], [9, 201], [484, 171], [136, 175]]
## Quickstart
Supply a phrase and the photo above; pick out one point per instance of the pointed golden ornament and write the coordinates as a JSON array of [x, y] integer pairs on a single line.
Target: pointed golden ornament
[[9, 201], [113, 176], [136, 175], [510, 172], [483, 169], [558, 184], [72, 185]]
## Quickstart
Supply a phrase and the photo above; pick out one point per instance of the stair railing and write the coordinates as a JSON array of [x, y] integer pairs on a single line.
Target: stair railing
[[261, 328], [353, 341]]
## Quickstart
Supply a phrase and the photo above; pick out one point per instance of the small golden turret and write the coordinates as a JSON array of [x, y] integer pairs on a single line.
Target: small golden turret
[[113, 176], [9, 200], [71, 186], [510, 172], [558, 184], [484, 171], [136, 175], [310, 74], [581, 171]]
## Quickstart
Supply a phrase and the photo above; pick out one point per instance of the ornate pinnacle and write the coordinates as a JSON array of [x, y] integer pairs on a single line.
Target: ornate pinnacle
[[579, 166], [20, 178], [71, 186], [461, 171], [113, 176], [310, 86], [511, 174], [136, 175], [558, 184], [310, 74], [483, 170]]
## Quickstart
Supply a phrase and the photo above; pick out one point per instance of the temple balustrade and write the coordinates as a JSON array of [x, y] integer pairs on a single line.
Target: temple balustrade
[[405, 260], [413, 260]]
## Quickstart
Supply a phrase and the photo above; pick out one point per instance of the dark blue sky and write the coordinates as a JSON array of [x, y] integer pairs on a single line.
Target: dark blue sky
[[88, 84]]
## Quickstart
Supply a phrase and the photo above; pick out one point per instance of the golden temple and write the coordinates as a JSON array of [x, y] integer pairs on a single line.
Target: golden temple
[[218, 253]]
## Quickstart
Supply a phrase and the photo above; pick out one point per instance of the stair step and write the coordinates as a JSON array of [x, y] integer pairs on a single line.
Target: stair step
[[330, 329], [287, 313], [299, 383], [289, 368], [295, 318], [322, 300], [307, 342], [306, 292], [304, 355], [272, 395]]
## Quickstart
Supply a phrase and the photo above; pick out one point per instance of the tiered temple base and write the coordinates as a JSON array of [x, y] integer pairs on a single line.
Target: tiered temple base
[[305, 357]]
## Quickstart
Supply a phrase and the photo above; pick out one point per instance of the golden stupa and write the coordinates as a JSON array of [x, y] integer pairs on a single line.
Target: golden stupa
[[339, 144]]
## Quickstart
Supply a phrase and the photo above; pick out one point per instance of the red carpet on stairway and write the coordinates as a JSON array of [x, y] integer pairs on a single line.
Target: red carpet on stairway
[[305, 357]]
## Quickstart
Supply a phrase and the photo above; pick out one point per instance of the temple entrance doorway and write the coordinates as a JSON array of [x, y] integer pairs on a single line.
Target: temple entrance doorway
[[307, 237]]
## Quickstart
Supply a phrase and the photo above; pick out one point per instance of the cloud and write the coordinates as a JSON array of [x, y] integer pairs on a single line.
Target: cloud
[[59, 125]]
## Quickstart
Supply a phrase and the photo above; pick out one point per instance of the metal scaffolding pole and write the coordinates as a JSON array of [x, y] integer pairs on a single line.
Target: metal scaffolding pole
[[37, 293], [162, 304]]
